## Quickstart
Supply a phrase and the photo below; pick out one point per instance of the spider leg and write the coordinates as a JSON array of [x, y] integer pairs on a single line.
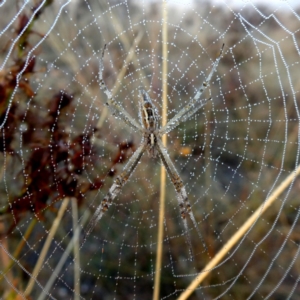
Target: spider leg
[[197, 106], [192, 105], [184, 204], [113, 105], [115, 189]]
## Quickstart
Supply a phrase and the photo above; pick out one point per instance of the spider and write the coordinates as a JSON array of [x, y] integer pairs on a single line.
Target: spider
[[151, 142]]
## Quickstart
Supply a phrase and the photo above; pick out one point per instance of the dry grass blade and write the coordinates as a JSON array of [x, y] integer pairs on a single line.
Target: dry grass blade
[[18, 249], [47, 244], [164, 141], [76, 250], [64, 257], [239, 234]]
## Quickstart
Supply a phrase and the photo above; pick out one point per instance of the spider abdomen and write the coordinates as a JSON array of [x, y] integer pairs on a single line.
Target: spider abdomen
[[150, 138], [149, 116]]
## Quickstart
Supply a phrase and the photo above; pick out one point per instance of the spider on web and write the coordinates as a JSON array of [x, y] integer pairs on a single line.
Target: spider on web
[[151, 142]]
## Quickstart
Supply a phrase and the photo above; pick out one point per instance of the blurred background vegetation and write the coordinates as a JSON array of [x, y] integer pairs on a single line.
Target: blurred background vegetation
[[60, 142]]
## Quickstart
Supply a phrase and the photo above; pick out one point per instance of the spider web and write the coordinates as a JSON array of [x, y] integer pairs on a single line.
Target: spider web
[[61, 149]]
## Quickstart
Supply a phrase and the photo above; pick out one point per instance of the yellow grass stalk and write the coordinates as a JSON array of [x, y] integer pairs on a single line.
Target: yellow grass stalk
[[18, 250], [239, 234], [159, 252], [76, 250], [45, 249], [65, 256]]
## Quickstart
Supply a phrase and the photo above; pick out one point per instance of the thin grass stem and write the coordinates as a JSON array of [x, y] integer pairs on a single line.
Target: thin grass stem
[[19, 248], [239, 234], [46, 247], [76, 250], [162, 196], [65, 256]]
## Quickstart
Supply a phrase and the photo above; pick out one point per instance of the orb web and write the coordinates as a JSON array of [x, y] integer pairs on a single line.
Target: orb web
[[62, 149]]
